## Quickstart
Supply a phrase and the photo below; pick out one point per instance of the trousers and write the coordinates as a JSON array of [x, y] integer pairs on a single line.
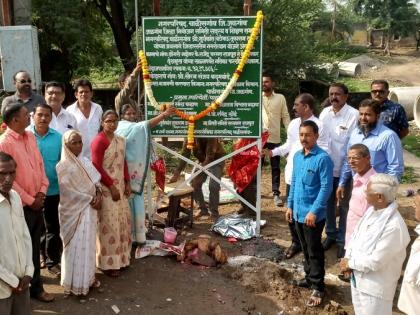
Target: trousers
[[35, 222], [214, 190], [275, 169], [53, 244], [16, 304], [314, 264]]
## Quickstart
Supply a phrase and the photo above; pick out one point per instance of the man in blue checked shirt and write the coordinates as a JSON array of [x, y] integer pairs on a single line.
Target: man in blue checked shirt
[[309, 192], [49, 144], [392, 114]]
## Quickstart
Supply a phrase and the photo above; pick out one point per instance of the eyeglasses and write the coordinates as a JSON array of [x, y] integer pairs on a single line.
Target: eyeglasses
[[25, 81], [354, 158], [378, 92]]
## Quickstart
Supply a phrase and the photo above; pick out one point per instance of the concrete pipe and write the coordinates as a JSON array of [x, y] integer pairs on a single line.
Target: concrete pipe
[[349, 69], [416, 110], [406, 96]]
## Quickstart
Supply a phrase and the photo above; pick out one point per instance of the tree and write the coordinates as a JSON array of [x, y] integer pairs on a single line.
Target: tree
[[398, 17], [73, 38], [120, 16], [289, 47]]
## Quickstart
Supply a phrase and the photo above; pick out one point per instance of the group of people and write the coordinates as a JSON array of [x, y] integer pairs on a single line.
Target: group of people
[[79, 170], [349, 162], [82, 172]]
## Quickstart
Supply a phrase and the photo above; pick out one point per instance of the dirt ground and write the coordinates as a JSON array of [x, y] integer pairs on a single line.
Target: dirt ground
[[400, 70]]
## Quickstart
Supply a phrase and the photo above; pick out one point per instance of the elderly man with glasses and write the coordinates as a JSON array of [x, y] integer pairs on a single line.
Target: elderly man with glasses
[[377, 249], [392, 114], [24, 94]]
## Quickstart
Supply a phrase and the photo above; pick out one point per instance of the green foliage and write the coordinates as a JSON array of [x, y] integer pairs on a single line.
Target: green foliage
[[288, 40], [399, 16], [345, 18], [409, 176], [412, 144], [201, 7], [357, 84], [336, 51], [73, 38]]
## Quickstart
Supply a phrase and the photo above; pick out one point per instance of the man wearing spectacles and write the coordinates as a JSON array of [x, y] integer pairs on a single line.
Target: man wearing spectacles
[[393, 114], [23, 94]]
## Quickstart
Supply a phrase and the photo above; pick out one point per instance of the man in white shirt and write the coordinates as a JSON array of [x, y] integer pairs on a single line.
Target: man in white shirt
[[274, 112], [377, 249], [87, 113], [340, 119], [16, 267], [303, 108], [62, 120]]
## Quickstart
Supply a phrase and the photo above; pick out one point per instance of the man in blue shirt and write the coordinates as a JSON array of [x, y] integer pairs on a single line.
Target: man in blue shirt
[[49, 144], [384, 144], [393, 114], [310, 189]]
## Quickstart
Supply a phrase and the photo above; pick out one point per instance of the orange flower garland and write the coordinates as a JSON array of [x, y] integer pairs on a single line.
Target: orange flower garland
[[214, 105]]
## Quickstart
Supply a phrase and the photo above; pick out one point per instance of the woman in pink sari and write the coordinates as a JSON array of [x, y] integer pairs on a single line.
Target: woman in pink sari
[[80, 198], [114, 231]]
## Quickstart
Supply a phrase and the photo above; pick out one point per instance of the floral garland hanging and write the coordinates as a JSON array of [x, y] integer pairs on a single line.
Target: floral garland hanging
[[215, 104]]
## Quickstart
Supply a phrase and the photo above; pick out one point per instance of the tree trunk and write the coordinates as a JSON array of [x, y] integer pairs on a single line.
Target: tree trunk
[[387, 49], [121, 35], [333, 21]]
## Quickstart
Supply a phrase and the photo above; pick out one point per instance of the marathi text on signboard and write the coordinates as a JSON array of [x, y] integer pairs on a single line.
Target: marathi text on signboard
[[191, 60]]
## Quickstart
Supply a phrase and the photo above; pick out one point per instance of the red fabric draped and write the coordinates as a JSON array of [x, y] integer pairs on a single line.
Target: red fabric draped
[[243, 166]]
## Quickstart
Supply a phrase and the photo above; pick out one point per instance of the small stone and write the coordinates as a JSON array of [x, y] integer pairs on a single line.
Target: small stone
[[214, 290], [334, 303], [82, 301], [168, 300], [115, 309]]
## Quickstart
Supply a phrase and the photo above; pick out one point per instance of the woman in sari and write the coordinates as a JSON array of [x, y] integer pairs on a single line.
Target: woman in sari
[[137, 154], [80, 197], [108, 156]]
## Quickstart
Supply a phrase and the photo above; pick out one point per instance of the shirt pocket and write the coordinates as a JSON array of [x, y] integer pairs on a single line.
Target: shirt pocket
[[310, 178], [342, 133]]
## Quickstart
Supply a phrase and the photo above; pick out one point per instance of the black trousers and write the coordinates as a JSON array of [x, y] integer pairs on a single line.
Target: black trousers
[[275, 169], [292, 226], [314, 265], [35, 222], [250, 195], [53, 244]]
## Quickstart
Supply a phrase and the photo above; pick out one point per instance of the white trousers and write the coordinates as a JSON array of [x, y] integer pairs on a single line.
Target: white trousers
[[365, 304]]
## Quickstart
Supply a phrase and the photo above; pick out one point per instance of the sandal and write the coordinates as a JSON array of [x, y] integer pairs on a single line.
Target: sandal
[[316, 298], [96, 284], [293, 250]]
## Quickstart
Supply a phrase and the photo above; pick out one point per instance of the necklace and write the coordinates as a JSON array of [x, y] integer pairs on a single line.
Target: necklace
[[219, 100]]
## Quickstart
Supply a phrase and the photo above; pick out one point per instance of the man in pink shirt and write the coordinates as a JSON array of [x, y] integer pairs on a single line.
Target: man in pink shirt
[[359, 161], [31, 183]]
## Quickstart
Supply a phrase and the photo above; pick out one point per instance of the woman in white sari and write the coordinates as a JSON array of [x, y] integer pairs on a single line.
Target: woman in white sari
[[80, 197]]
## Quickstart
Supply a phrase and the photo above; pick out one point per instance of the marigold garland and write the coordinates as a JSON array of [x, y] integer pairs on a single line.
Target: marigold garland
[[219, 101]]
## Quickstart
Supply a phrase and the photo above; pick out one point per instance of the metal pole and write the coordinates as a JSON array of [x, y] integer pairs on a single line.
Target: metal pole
[[258, 201]]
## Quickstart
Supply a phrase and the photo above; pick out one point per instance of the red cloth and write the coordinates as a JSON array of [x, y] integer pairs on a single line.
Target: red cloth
[[244, 165], [99, 145], [159, 168]]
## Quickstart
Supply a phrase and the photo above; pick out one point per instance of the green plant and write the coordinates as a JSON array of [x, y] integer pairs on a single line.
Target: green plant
[[409, 175], [412, 144]]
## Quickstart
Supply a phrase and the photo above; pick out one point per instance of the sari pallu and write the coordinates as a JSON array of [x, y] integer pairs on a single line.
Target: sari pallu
[[78, 221], [114, 241], [137, 154]]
